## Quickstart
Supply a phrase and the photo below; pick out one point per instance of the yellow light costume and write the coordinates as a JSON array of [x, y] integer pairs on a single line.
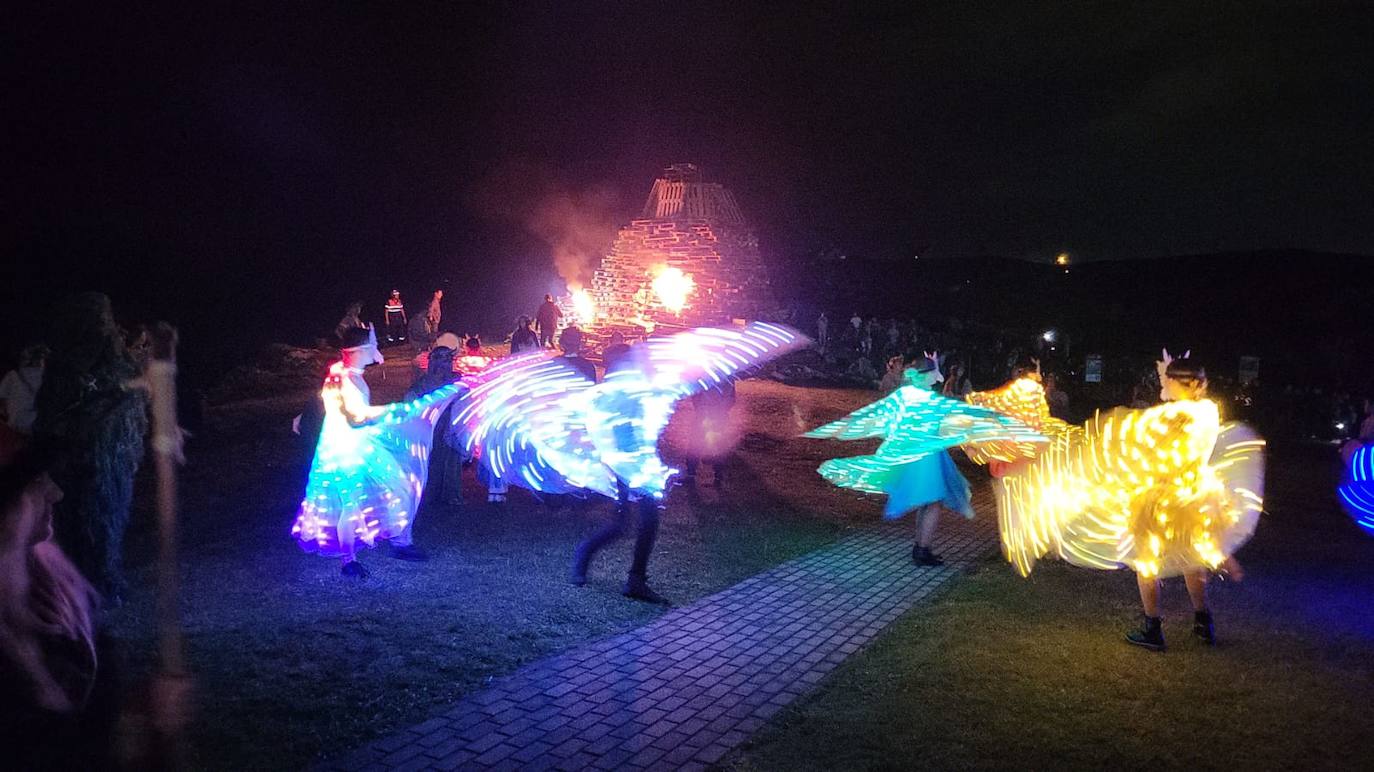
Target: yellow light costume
[[1024, 400], [1162, 490]]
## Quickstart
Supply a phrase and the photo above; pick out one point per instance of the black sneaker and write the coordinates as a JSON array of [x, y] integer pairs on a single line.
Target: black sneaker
[[1149, 636], [409, 552], [1202, 627], [637, 588], [922, 556], [354, 569]]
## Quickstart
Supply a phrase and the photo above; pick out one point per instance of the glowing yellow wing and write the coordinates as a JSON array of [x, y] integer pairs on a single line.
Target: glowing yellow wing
[[1162, 490], [1024, 400]]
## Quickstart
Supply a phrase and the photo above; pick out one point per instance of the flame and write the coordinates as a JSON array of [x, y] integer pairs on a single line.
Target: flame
[[672, 287], [583, 305]]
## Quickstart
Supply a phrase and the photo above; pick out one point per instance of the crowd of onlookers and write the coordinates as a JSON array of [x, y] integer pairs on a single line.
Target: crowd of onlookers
[[874, 351]]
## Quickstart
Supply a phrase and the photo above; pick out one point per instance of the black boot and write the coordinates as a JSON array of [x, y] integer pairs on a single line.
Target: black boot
[[922, 556], [409, 552], [582, 558], [1149, 636], [637, 587], [354, 570], [1202, 627]]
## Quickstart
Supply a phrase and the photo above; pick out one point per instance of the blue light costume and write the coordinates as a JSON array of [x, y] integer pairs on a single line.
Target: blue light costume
[[1357, 490], [542, 425]]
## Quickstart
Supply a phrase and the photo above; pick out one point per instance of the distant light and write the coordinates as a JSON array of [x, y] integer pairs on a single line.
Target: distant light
[[1062, 258], [1049, 335], [1340, 426]]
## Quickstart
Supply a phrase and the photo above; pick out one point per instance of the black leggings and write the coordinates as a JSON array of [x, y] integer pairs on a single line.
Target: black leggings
[[644, 537]]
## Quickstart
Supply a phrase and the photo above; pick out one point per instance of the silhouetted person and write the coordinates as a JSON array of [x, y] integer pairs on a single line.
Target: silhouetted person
[[546, 320], [94, 427]]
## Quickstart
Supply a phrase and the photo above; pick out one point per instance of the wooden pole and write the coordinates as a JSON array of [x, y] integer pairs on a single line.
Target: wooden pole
[[161, 378]]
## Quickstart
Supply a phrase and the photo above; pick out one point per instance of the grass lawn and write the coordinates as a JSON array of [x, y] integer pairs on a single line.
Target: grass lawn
[[294, 663], [1003, 672]]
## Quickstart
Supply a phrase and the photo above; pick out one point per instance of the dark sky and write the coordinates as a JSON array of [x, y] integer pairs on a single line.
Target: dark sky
[[297, 155]]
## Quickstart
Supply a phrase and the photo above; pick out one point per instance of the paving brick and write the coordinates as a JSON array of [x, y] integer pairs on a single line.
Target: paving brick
[[686, 688], [496, 755]]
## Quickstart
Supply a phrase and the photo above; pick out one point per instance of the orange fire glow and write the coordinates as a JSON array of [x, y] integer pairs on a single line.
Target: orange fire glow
[[583, 305], [673, 287]]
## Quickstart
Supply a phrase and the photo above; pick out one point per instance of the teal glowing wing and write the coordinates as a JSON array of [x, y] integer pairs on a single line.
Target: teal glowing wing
[[872, 420], [917, 422]]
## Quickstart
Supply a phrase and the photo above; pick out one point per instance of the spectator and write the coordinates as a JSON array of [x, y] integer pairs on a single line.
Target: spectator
[[94, 427], [523, 339], [615, 352], [546, 319], [571, 343], [352, 318], [1057, 398], [55, 717], [434, 313], [822, 331], [957, 384], [892, 377], [418, 328], [19, 388], [395, 317]]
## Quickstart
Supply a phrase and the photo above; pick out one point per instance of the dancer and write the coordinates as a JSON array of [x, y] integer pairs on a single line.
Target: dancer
[[1022, 398], [912, 466], [472, 361], [541, 424], [371, 462], [444, 458], [1168, 490]]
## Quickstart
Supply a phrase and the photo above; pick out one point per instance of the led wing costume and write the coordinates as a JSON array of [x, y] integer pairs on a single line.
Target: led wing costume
[[370, 466], [1024, 400], [546, 427], [1163, 490], [1357, 490], [917, 425]]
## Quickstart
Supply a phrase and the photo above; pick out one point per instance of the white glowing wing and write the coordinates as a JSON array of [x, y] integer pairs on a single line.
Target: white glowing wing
[[695, 360], [524, 416]]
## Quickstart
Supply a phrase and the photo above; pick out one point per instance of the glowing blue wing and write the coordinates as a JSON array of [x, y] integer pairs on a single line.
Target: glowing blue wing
[[695, 360], [524, 417], [1357, 490]]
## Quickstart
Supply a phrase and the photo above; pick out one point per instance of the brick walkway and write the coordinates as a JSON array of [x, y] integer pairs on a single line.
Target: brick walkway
[[685, 689]]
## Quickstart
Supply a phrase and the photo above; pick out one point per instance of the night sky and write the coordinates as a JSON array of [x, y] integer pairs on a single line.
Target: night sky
[[261, 168]]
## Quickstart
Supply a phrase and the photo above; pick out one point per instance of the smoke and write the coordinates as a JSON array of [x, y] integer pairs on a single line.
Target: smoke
[[578, 223]]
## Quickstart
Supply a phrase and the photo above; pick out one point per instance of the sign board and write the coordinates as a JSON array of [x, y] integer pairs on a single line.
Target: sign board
[[1092, 371], [1249, 370]]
